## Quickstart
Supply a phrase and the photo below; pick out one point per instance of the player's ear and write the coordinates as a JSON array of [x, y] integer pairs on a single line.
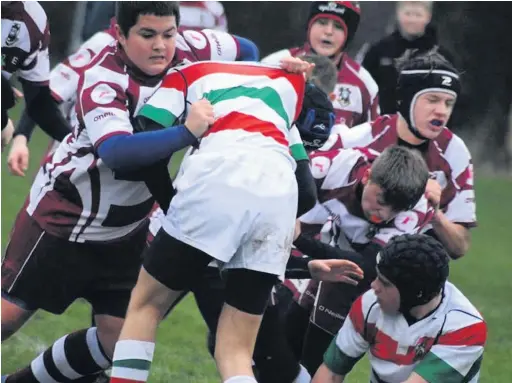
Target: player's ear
[[120, 35], [332, 96]]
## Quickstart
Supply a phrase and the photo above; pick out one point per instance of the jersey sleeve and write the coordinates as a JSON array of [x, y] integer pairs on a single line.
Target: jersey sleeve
[[349, 345], [102, 103], [408, 222], [64, 77], [462, 208], [36, 66], [296, 146], [343, 137], [457, 356], [209, 44], [168, 103]]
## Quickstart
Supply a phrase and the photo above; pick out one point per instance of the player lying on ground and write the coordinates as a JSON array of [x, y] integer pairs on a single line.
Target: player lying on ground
[[415, 325], [246, 219]]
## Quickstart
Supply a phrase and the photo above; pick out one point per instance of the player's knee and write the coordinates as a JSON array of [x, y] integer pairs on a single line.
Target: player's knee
[[13, 317], [108, 330], [149, 297]]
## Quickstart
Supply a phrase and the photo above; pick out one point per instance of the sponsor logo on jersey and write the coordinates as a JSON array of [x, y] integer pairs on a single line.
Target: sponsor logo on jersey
[[196, 39], [103, 116], [12, 37], [80, 58], [103, 94]]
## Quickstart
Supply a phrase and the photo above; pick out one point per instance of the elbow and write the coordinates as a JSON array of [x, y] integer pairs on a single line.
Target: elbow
[[461, 248]]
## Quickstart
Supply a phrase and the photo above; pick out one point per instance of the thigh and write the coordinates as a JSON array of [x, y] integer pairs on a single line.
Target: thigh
[[210, 296], [40, 271], [114, 270], [173, 263]]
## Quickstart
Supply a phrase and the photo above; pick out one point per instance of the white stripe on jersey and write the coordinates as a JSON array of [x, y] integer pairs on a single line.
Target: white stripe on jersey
[[218, 81]]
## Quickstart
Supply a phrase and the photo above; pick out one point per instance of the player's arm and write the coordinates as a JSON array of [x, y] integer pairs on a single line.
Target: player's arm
[[347, 348], [452, 227], [248, 50], [457, 355], [122, 151], [41, 106], [455, 237], [324, 375], [8, 100]]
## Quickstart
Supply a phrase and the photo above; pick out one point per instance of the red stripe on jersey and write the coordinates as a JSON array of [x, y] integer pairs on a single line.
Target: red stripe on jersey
[[198, 70], [474, 335], [236, 120], [385, 348], [113, 379], [356, 315]]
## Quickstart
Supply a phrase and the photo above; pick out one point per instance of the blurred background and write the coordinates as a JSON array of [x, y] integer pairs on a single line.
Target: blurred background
[[475, 33]]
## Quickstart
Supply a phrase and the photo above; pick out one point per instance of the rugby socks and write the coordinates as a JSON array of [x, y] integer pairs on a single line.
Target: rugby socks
[[241, 379], [74, 357], [131, 362]]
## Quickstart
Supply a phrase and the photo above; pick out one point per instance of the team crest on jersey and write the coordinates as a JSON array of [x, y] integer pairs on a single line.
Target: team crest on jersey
[[420, 350], [344, 97], [12, 37]]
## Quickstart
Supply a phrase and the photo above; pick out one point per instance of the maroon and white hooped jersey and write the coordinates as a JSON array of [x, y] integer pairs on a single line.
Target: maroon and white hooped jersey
[[448, 160], [25, 41], [75, 195], [356, 95], [203, 14], [339, 175]]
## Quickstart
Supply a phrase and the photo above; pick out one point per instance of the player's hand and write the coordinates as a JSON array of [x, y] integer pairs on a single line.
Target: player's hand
[[7, 133], [297, 230], [433, 193], [335, 270], [18, 156], [296, 65], [200, 117], [17, 93]]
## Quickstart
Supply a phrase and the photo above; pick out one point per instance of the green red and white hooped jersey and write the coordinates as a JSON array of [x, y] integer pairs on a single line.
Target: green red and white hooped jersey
[[446, 346], [255, 105]]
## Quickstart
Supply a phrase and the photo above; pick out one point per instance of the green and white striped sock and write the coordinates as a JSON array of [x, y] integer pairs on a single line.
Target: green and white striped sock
[[131, 362]]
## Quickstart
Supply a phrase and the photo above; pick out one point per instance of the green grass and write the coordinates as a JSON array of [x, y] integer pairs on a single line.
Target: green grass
[[181, 356]]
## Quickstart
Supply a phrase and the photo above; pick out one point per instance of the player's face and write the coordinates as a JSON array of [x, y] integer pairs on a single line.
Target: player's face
[[151, 43], [327, 36], [387, 294], [432, 111], [413, 19], [373, 205]]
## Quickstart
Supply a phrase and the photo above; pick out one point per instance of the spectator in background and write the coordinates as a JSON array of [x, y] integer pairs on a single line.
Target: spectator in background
[[413, 31], [203, 14], [194, 15]]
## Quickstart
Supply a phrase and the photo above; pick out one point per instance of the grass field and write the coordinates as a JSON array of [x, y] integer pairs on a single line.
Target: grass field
[[181, 356]]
